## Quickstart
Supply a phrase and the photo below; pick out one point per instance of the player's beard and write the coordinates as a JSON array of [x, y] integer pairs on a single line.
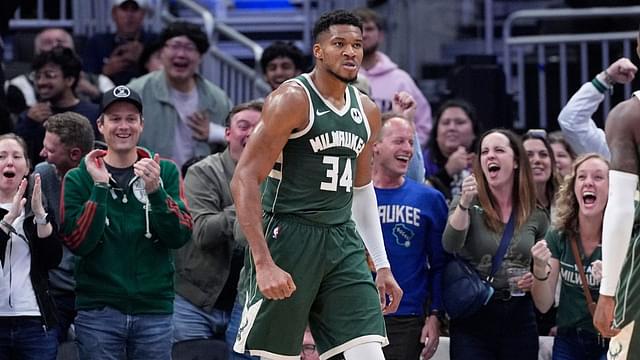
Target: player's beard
[[345, 80]]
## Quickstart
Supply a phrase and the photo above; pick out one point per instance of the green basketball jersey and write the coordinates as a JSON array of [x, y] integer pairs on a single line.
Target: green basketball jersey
[[628, 291], [313, 176]]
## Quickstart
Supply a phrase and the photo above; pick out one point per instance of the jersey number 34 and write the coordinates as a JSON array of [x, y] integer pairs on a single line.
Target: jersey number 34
[[336, 179]]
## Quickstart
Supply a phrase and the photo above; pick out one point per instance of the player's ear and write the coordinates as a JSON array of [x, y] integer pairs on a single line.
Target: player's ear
[[317, 51]]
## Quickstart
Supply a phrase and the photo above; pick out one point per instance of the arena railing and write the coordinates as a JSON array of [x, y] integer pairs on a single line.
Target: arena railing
[[559, 47]]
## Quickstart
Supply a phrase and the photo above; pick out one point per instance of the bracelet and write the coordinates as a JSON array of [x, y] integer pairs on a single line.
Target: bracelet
[[608, 79], [462, 207], [99, 184], [541, 278], [41, 220], [4, 223]]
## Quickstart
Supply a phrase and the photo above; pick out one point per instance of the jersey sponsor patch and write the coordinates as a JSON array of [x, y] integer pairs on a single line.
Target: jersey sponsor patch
[[356, 115]]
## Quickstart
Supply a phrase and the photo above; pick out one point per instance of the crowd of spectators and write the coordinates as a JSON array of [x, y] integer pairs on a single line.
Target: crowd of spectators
[[123, 124]]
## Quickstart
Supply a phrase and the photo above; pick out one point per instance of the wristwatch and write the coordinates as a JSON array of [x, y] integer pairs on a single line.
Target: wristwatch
[[41, 221]]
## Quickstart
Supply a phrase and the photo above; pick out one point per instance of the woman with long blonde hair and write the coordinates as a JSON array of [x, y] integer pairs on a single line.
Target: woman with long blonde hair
[[580, 206]]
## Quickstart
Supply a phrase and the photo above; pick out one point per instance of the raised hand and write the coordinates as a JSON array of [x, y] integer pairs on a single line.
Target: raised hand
[[541, 255], [149, 171], [95, 166], [404, 104], [17, 204], [458, 161], [469, 190], [36, 198], [622, 71]]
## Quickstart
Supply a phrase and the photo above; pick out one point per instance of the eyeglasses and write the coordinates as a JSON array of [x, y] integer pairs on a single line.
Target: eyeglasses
[[308, 349], [46, 74], [537, 133], [175, 46]]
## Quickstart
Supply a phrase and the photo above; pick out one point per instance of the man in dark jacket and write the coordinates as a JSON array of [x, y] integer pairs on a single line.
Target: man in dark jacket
[[207, 268]]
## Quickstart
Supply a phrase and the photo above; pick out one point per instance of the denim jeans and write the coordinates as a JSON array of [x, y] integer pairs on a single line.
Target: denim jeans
[[111, 335], [501, 330], [190, 322], [23, 337], [66, 312], [575, 344], [232, 331]]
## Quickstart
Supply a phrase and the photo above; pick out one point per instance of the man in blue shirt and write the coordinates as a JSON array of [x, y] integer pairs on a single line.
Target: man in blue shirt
[[413, 217]]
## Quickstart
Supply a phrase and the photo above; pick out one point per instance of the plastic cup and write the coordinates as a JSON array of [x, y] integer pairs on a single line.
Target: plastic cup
[[515, 274]]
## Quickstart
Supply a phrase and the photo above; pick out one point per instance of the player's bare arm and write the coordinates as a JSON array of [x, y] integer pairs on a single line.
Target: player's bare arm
[[622, 137], [385, 282], [285, 110]]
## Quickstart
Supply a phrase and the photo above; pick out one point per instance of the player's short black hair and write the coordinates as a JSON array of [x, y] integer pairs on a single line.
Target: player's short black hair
[[192, 31], [283, 49], [336, 17]]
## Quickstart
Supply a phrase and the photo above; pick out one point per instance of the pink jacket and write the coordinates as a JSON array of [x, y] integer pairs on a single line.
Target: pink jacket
[[386, 79]]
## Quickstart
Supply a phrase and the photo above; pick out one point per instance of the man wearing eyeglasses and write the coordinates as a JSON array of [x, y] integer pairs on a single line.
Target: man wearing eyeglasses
[[184, 112], [55, 75], [309, 351]]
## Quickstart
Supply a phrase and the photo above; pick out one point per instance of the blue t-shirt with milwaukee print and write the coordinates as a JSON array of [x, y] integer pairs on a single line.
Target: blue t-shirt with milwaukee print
[[413, 218]]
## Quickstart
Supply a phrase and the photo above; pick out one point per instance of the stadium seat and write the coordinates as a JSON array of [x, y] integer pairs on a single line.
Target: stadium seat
[[201, 349]]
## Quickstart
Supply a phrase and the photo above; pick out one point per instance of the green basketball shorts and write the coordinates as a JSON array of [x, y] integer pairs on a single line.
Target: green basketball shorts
[[335, 293]]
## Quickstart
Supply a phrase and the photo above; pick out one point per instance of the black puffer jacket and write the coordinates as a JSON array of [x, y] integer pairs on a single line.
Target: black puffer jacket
[[45, 255]]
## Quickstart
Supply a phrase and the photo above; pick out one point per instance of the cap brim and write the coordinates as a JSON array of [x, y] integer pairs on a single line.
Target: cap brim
[[131, 101]]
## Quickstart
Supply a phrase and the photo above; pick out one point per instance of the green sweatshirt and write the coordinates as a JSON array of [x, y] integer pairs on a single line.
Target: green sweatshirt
[[119, 264]]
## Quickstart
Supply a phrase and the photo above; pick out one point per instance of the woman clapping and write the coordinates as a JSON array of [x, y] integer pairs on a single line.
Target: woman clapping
[[29, 247]]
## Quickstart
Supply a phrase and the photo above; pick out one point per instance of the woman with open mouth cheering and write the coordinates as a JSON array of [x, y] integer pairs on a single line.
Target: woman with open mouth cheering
[[29, 247]]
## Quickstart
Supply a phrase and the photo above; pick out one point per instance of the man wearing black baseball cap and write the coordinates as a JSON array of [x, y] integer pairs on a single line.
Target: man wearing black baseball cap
[[123, 213], [121, 93]]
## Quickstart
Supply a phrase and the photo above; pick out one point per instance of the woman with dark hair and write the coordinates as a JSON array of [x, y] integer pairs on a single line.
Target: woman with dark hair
[[29, 248], [448, 154], [501, 189], [580, 206], [563, 152], [543, 167]]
